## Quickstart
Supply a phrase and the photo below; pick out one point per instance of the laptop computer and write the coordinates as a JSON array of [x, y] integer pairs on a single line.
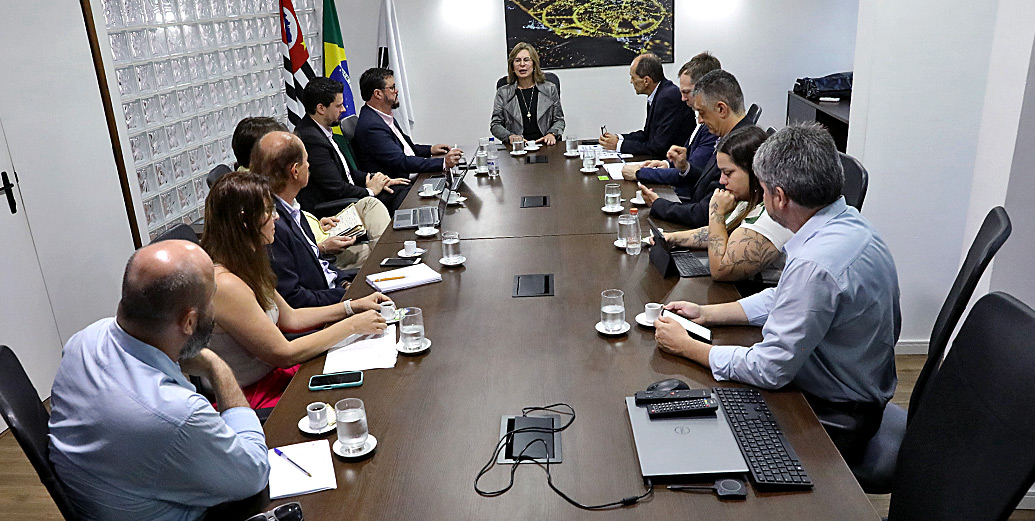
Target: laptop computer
[[677, 447], [407, 218], [668, 262]]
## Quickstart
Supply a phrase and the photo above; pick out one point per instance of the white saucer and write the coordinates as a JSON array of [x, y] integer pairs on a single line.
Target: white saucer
[[641, 319], [429, 194], [417, 253], [621, 331], [303, 425], [620, 243], [532, 148], [518, 152], [368, 447], [426, 234], [458, 200], [479, 171], [636, 201], [424, 346], [574, 153], [588, 170], [455, 262], [612, 209]]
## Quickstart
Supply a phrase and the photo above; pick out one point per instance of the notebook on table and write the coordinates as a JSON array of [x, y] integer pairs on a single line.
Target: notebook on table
[[402, 278]]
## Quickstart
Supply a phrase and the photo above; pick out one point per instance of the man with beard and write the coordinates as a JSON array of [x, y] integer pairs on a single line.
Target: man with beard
[[129, 436], [331, 178]]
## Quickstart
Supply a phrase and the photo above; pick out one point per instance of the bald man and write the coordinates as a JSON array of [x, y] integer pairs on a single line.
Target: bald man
[[130, 437]]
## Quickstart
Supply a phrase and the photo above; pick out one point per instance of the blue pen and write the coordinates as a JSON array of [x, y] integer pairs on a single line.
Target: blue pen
[[281, 454]]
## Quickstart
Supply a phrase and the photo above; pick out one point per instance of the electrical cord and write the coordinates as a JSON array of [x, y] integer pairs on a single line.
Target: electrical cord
[[508, 438]]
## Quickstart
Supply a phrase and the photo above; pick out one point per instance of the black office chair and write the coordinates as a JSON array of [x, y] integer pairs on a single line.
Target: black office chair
[[875, 471], [550, 77], [218, 171], [856, 181], [753, 113], [770, 131], [969, 452], [180, 231], [21, 408]]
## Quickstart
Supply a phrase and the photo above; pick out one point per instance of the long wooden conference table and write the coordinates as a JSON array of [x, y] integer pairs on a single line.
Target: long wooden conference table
[[437, 416]]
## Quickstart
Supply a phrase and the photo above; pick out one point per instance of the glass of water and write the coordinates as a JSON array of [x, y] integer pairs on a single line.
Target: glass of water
[[589, 159], [426, 220], [629, 233], [517, 145], [571, 145], [351, 424], [612, 196], [451, 246], [411, 329], [612, 310], [624, 223]]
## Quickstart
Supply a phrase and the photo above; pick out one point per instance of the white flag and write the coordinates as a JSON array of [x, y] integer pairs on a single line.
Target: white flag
[[389, 56]]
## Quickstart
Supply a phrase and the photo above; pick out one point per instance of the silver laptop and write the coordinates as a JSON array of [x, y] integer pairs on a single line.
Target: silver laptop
[[674, 447]]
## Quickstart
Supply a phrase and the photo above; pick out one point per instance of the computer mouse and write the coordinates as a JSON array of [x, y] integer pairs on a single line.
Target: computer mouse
[[671, 384]]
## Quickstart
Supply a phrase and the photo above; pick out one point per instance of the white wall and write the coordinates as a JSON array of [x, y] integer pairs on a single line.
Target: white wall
[[921, 70], [455, 51]]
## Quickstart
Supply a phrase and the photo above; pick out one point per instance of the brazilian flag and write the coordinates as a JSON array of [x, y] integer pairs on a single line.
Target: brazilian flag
[[336, 67]]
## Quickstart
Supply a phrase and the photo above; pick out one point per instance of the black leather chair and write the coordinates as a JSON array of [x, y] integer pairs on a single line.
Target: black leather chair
[[753, 113], [856, 181], [217, 172], [770, 131], [21, 408], [550, 77], [969, 451], [876, 469], [180, 231]]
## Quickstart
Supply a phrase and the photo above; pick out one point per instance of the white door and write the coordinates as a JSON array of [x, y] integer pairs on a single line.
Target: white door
[[27, 323]]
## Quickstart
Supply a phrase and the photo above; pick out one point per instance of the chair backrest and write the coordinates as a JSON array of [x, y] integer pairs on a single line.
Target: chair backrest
[[770, 131], [348, 127], [21, 408], [550, 77], [856, 181], [994, 231], [218, 171], [180, 231], [969, 451], [753, 113]]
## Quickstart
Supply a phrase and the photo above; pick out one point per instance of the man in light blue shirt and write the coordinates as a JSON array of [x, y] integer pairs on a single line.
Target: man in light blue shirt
[[831, 325], [129, 436]]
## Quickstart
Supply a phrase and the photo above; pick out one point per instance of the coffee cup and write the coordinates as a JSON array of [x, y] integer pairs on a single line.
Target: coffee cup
[[317, 413], [388, 310], [428, 188], [639, 195], [651, 311], [410, 247]]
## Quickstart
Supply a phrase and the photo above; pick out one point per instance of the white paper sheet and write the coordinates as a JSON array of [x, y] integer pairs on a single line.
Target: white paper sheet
[[363, 352], [614, 170], [314, 456]]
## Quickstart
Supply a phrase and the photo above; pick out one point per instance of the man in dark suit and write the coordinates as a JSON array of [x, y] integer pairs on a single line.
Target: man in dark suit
[[698, 149], [669, 120], [304, 279], [381, 144], [331, 178], [719, 103]]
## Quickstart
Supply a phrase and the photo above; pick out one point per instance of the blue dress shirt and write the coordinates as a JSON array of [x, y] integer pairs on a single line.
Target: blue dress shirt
[[831, 325], [131, 439]]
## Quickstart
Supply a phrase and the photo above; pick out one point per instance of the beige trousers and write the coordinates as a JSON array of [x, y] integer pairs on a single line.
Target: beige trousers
[[376, 219]]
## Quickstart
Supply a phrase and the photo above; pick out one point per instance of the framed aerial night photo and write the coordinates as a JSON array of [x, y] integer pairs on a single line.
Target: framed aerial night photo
[[591, 33]]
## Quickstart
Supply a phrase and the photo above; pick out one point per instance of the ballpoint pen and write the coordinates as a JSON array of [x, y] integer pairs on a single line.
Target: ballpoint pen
[[281, 454], [390, 278]]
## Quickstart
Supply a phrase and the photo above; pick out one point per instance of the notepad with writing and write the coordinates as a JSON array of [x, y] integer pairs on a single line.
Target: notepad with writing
[[402, 278], [288, 480]]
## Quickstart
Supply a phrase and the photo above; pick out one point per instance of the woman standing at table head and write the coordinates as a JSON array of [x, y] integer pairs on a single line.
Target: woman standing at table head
[[250, 314], [528, 106], [742, 240]]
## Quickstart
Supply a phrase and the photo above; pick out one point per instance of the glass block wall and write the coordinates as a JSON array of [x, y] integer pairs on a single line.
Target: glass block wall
[[187, 72]]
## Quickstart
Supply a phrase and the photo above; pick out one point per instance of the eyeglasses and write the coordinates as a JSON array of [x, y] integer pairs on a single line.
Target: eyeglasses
[[286, 512], [392, 88], [522, 60]]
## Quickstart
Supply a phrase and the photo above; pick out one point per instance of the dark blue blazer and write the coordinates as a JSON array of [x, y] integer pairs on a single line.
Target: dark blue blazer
[[327, 178], [699, 152], [669, 122], [300, 278], [693, 211], [378, 150]]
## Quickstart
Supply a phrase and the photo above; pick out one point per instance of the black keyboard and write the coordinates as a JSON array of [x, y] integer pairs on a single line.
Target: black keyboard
[[690, 266], [769, 455]]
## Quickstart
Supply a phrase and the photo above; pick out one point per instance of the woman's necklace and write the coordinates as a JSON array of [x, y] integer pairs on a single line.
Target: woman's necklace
[[528, 104]]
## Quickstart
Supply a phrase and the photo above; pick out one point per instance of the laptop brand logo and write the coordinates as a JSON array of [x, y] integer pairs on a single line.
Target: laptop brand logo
[[682, 430]]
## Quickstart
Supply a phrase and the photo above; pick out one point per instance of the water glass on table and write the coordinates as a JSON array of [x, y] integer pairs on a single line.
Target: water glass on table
[[612, 196], [426, 220], [517, 144], [351, 424], [629, 233], [450, 246], [612, 310], [589, 159], [571, 145], [411, 329]]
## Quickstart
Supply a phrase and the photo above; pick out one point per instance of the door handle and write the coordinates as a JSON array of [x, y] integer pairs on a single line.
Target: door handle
[[7, 188]]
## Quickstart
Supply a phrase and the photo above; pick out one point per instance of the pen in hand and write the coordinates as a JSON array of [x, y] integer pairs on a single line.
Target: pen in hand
[[299, 467]]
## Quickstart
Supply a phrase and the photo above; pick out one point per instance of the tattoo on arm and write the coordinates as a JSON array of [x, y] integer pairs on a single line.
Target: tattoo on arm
[[747, 253]]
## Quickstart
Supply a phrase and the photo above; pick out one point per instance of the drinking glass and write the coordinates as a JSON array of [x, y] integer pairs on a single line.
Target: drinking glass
[[426, 220], [612, 196], [612, 310], [411, 329], [517, 145], [625, 221], [481, 163], [450, 246], [631, 233], [351, 424], [570, 145], [589, 159]]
